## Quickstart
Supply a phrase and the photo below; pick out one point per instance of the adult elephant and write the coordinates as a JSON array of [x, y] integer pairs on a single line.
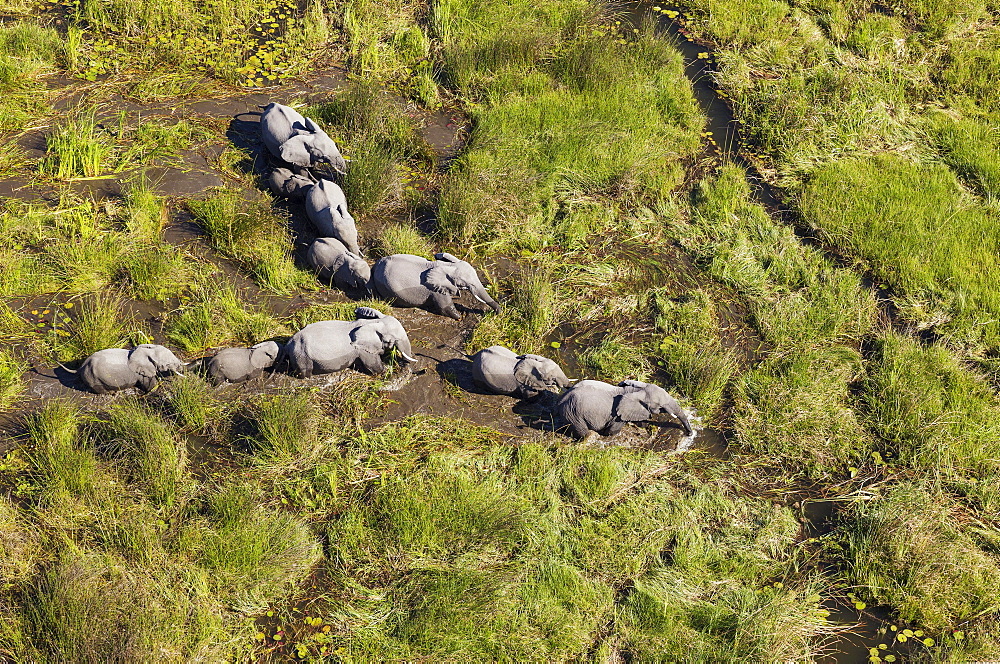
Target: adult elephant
[[284, 182], [332, 345], [592, 405], [413, 281], [118, 369], [333, 262], [296, 139], [326, 207], [500, 370]]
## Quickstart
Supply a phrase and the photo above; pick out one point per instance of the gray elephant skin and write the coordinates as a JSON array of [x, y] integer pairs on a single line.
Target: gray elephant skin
[[284, 182], [298, 140], [326, 207], [238, 364], [500, 370], [334, 262], [413, 281], [332, 345], [592, 405], [118, 369]]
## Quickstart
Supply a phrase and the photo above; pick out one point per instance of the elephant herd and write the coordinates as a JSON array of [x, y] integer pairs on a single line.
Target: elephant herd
[[367, 342]]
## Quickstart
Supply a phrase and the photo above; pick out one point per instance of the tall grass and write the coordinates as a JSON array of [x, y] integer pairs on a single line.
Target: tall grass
[[282, 427], [11, 379], [99, 321], [910, 550], [27, 51], [216, 315], [382, 142], [79, 148], [915, 228], [569, 113], [249, 232], [149, 449], [61, 461]]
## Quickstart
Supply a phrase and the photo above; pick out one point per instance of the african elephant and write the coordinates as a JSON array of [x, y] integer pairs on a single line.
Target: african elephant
[[284, 182], [298, 140], [238, 364], [499, 370], [332, 261], [117, 368], [326, 207], [332, 345], [413, 281], [592, 405]]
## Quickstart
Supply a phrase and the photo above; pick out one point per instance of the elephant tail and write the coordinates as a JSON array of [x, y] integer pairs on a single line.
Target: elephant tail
[[65, 368]]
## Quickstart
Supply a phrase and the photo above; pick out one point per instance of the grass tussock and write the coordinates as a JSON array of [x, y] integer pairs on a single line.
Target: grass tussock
[[919, 233], [568, 114], [97, 322], [282, 427], [909, 550], [615, 359], [528, 313], [216, 316], [251, 234], [11, 379], [27, 52], [382, 142], [403, 239]]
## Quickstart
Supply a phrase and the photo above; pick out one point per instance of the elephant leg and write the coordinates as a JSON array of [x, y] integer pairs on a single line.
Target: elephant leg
[[445, 305], [97, 387], [372, 363], [146, 383], [614, 428], [303, 367], [580, 429]]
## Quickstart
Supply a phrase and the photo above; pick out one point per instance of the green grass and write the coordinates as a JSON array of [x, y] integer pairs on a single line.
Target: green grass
[[403, 239], [148, 448], [528, 313], [797, 412], [61, 464], [382, 142], [190, 402], [282, 427], [11, 379], [217, 315], [615, 359], [78, 148], [98, 321], [567, 113], [920, 234], [909, 549], [249, 232], [27, 52], [935, 415]]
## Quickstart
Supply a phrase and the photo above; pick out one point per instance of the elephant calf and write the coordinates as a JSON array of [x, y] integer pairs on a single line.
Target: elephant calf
[[298, 140], [284, 182], [238, 364], [326, 207], [333, 262], [412, 281], [118, 369], [592, 405], [332, 345], [499, 370]]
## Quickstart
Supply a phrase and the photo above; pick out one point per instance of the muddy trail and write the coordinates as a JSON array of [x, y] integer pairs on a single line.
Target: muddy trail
[[440, 384]]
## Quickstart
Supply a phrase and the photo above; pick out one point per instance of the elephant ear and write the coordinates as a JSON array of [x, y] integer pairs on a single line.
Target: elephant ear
[[445, 256], [438, 279], [527, 372], [367, 312], [296, 149], [629, 407], [366, 338], [632, 385], [141, 363]]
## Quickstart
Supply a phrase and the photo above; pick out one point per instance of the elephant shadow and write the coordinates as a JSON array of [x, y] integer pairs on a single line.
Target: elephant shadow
[[458, 372], [540, 413], [68, 379]]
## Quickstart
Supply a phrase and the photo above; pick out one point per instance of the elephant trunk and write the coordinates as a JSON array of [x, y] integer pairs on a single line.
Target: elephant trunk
[[403, 346], [683, 418], [479, 292]]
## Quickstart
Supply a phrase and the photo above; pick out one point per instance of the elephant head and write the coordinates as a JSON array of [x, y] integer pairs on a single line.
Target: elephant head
[[535, 374], [285, 183], [378, 333], [355, 271], [152, 360], [451, 275], [640, 400], [264, 354]]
